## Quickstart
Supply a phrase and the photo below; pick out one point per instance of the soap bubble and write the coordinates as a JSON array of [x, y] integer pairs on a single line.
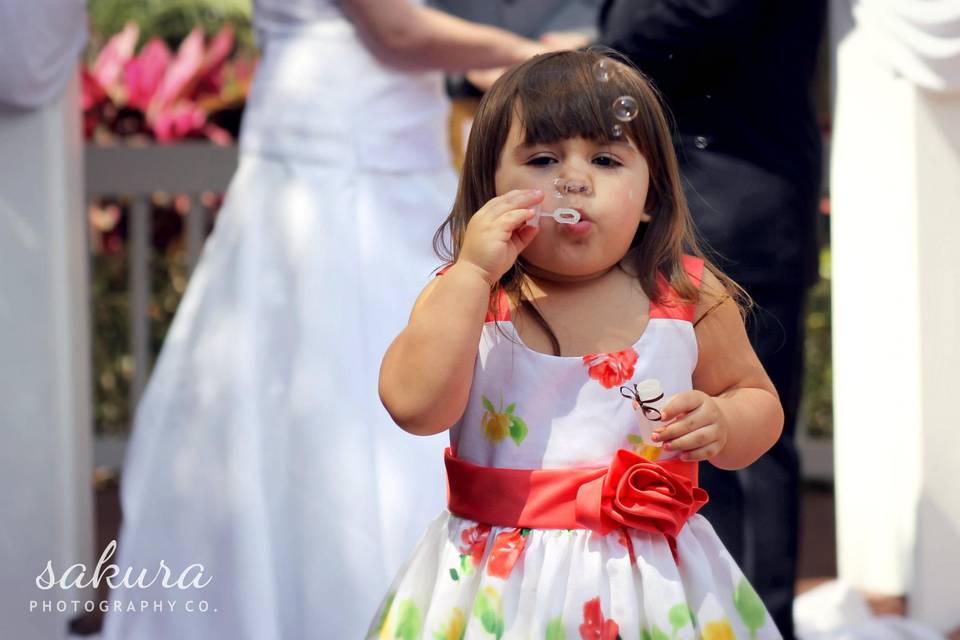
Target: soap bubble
[[625, 108], [603, 70], [559, 187], [616, 131]]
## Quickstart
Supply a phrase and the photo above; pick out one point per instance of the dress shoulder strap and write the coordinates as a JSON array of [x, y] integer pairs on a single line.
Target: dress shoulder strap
[[671, 306]]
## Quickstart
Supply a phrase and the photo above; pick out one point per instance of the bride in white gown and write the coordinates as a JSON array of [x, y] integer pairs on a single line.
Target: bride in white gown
[[260, 449]]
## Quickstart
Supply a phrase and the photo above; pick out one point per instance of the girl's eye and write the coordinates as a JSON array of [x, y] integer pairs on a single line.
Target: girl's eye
[[541, 161], [606, 161]]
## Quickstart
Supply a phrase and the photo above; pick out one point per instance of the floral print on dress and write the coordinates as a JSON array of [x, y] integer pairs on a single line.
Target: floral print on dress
[[488, 607], [641, 448], [718, 630], [749, 606], [473, 542], [497, 424], [507, 548], [594, 626], [455, 628], [611, 369], [401, 621]]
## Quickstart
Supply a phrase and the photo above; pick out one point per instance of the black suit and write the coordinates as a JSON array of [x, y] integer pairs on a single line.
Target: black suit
[[736, 76]]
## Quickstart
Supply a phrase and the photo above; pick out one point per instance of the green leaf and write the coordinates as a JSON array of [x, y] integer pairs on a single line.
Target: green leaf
[[680, 616], [749, 605], [454, 574], [645, 634], [408, 621], [489, 617], [466, 565], [510, 408], [555, 630], [658, 634], [518, 429], [487, 404]]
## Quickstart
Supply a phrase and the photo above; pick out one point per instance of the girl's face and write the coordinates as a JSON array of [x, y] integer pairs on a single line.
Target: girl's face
[[606, 183]]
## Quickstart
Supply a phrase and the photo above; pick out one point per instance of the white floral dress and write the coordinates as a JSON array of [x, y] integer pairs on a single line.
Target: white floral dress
[[529, 410]]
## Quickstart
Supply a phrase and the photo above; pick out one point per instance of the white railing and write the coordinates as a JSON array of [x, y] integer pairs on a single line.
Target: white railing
[[138, 172]]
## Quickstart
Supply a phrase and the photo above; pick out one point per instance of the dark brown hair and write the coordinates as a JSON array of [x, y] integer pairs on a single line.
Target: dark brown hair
[[556, 96]]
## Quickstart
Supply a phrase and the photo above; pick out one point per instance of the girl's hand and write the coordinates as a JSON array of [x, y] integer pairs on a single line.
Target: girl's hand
[[497, 233], [701, 433]]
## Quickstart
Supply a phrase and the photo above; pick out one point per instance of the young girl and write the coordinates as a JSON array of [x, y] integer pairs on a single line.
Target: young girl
[[543, 347]]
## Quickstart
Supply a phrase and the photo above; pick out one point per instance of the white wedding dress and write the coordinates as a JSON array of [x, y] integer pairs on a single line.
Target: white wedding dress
[[260, 448]]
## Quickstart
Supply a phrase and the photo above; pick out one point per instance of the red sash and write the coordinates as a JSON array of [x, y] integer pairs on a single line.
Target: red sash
[[632, 492]]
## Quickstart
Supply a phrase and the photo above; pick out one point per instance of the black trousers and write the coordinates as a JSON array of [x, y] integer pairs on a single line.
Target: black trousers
[[755, 511]]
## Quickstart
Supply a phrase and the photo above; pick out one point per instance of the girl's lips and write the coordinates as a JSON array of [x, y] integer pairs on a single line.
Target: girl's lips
[[577, 229]]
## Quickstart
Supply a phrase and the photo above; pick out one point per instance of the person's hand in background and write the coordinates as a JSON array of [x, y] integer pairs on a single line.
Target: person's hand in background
[[564, 40], [483, 79]]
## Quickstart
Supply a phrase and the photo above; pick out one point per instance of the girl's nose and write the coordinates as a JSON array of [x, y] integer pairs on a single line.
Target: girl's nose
[[572, 186]]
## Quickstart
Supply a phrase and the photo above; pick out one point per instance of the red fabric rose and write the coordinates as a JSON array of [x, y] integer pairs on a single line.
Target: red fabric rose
[[611, 369], [594, 627], [640, 494]]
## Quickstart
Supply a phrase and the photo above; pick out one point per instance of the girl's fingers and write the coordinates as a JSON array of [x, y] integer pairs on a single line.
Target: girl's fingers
[[683, 402], [516, 218], [679, 427], [523, 236], [697, 438], [517, 199], [702, 453]]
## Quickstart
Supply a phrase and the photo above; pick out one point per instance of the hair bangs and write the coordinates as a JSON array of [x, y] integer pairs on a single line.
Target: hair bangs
[[556, 100]]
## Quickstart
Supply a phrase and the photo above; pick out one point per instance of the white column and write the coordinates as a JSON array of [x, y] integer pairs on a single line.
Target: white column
[[895, 232], [933, 596], [45, 407]]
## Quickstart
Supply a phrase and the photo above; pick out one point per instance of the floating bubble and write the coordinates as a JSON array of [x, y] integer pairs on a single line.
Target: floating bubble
[[625, 108], [616, 131], [603, 70], [559, 186]]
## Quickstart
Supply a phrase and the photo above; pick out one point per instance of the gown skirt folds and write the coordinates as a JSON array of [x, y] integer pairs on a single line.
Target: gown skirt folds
[[562, 522], [260, 448]]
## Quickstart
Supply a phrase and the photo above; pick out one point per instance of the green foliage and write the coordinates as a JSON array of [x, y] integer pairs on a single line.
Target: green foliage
[[170, 20], [817, 401]]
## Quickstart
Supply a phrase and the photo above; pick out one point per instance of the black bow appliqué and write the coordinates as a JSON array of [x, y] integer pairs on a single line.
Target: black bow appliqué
[[651, 413]]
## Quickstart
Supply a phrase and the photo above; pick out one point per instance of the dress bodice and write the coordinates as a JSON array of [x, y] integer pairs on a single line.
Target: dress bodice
[[530, 410], [320, 94]]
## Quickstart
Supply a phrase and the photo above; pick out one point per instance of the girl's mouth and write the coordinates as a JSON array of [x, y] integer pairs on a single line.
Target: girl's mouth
[[579, 229]]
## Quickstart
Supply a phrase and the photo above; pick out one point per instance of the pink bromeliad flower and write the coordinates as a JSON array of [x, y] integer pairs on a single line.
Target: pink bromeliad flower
[[175, 92]]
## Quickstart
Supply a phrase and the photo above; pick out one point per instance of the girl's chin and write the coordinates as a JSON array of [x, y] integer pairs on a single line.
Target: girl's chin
[[560, 272]]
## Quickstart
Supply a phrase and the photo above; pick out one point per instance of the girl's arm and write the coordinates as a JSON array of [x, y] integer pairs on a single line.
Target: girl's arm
[[733, 414], [426, 373], [406, 35]]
